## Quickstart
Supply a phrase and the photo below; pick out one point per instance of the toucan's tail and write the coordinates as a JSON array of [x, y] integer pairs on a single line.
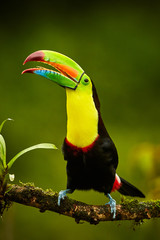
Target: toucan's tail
[[129, 190]]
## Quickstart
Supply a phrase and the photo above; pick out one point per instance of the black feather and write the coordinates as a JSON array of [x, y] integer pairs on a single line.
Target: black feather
[[129, 190]]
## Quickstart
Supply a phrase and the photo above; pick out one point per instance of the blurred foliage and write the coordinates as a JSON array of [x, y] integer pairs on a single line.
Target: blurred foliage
[[145, 161], [117, 44]]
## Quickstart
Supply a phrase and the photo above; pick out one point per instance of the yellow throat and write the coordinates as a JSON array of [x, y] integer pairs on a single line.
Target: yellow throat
[[82, 117]]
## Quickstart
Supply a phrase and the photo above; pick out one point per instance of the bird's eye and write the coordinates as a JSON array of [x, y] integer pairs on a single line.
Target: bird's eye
[[86, 81]]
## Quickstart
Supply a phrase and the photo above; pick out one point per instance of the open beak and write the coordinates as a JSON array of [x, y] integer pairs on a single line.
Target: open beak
[[68, 73]]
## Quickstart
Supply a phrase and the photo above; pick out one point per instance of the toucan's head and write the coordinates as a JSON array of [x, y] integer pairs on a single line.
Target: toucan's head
[[81, 94], [65, 72]]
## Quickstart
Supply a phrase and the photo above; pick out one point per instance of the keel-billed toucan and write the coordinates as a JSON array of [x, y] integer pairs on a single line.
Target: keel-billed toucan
[[88, 149]]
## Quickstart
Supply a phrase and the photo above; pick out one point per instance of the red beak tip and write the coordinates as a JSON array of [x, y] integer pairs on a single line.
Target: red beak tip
[[24, 71], [31, 70], [25, 61], [36, 56]]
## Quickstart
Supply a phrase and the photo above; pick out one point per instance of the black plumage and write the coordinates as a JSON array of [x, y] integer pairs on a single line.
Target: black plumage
[[93, 168]]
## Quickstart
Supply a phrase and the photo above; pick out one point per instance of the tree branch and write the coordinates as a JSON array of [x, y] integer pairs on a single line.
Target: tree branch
[[32, 196]]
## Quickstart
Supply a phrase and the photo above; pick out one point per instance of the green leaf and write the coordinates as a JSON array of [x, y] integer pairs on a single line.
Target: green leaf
[[41, 145], [3, 151], [1, 126]]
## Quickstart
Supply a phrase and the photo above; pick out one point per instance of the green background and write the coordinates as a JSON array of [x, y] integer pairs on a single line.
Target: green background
[[118, 46]]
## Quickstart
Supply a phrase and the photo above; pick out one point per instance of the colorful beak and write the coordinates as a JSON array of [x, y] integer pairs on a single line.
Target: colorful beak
[[68, 73]]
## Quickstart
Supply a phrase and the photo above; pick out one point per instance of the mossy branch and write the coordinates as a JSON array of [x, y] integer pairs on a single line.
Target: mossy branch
[[30, 195]]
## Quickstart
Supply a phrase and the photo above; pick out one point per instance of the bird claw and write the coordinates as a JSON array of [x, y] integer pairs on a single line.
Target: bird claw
[[112, 204], [62, 195]]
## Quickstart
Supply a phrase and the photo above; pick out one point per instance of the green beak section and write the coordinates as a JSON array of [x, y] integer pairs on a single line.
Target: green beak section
[[53, 76], [68, 72]]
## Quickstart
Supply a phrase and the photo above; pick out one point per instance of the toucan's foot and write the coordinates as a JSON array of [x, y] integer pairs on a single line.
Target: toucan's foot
[[112, 204], [62, 195]]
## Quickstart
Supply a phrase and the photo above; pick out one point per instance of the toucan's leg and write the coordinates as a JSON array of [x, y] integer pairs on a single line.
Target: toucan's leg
[[62, 195], [112, 204]]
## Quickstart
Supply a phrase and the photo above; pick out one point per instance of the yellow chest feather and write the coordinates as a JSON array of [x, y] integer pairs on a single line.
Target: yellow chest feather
[[82, 118]]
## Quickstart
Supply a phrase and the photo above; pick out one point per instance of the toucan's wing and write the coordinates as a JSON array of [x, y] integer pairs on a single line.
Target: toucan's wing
[[109, 152]]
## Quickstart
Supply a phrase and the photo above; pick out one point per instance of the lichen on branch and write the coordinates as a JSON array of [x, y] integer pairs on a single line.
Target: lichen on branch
[[28, 194]]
